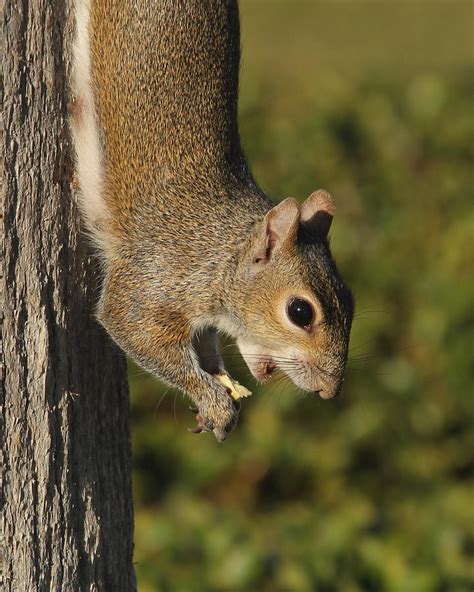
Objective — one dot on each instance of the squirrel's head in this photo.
(295, 309)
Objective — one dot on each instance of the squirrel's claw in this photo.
(201, 427)
(220, 417)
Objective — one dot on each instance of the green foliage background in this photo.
(373, 491)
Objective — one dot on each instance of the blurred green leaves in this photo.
(373, 491)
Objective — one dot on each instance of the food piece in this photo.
(237, 391)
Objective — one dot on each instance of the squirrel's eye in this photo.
(300, 312)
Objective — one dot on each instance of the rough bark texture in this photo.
(65, 447)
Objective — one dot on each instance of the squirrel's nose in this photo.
(329, 388)
(328, 393)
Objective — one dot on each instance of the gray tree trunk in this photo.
(65, 445)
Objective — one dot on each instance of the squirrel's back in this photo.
(162, 118)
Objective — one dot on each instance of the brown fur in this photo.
(186, 218)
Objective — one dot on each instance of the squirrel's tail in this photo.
(86, 135)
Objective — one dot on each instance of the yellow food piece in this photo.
(237, 391)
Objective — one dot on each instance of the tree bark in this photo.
(65, 442)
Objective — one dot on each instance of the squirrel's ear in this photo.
(279, 226)
(317, 213)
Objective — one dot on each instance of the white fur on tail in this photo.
(86, 134)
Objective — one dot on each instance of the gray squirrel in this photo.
(190, 245)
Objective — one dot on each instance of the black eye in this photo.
(300, 312)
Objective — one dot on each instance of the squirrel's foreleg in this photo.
(162, 342)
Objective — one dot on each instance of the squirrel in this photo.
(190, 246)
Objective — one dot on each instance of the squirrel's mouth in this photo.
(261, 368)
(260, 364)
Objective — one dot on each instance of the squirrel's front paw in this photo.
(217, 413)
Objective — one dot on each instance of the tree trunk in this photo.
(65, 442)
